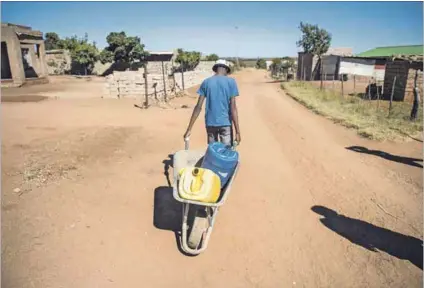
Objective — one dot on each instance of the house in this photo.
(400, 76)
(309, 67)
(402, 63)
(22, 55)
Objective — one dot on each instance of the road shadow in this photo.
(167, 210)
(387, 156)
(167, 214)
(371, 237)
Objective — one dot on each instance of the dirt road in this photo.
(86, 204)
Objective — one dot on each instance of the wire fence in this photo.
(367, 92)
(377, 108)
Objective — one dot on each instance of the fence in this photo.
(387, 82)
(161, 84)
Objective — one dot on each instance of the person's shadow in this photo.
(371, 237)
(387, 156)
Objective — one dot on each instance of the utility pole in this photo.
(236, 38)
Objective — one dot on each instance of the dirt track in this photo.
(102, 215)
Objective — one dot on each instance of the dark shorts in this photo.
(220, 134)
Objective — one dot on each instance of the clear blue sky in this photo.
(265, 28)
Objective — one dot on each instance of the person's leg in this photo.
(212, 133)
(226, 135)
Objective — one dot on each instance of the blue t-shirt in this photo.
(218, 90)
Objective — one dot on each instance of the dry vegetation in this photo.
(369, 118)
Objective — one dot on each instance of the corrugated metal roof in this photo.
(340, 51)
(393, 50)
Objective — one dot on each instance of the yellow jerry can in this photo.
(199, 184)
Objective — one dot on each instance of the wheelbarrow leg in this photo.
(205, 233)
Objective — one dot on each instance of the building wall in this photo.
(35, 65)
(305, 66)
(58, 62)
(400, 70)
(29, 41)
(409, 89)
(8, 36)
(132, 83)
(5, 65)
(356, 68)
(365, 69)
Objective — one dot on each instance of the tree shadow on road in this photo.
(387, 156)
(371, 237)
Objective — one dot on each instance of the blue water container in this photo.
(222, 160)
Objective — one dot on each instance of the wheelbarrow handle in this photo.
(187, 143)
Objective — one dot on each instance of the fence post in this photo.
(334, 76)
(391, 96)
(146, 88)
(182, 75)
(416, 103)
(119, 90)
(164, 82)
(301, 70)
(369, 90)
(155, 91)
(378, 96)
(354, 84)
(341, 79)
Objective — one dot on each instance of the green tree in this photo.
(82, 52)
(123, 48)
(261, 64)
(314, 40)
(86, 55)
(188, 60)
(52, 41)
(126, 49)
(212, 57)
(276, 66)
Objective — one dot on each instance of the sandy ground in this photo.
(85, 202)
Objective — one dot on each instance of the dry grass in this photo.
(369, 118)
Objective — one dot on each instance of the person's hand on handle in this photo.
(238, 138)
(187, 135)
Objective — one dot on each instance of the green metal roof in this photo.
(393, 50)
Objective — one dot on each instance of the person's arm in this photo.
(234, 116)
(234, 112)
(194, 115)
(197, 109)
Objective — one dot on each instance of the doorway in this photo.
(6, 73)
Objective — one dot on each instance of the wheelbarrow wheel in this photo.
(200, 224)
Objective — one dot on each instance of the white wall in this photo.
(361, 70)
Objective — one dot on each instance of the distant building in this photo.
(309, 68)
(340, 51)
(22, 55)
(268, 64)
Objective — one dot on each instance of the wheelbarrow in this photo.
(198, 218)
